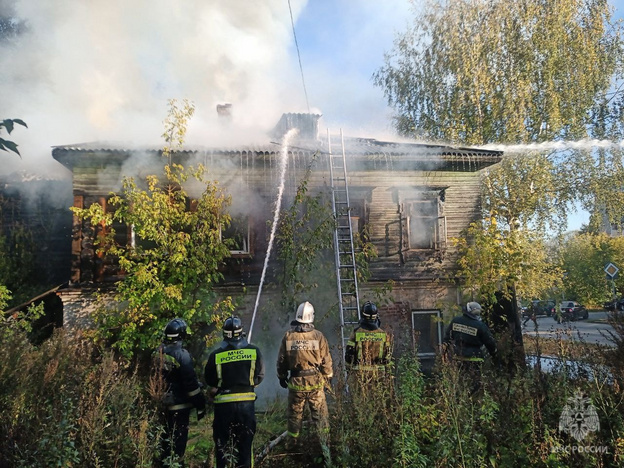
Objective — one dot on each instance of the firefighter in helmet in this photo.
(304, 366)
(465, 338)
(232, 371)
(369, 348)
(183, 390)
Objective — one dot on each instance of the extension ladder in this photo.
(344, 251)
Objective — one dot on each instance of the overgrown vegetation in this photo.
(172, 267)
(65, 404)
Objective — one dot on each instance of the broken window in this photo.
(237, 236)
(424, 222)
(427, 331)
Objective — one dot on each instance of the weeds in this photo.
(63, 404)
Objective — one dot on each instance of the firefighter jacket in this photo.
(468, 335)
(304, 353)
(183, 388)
(234, 369)
(369, 347)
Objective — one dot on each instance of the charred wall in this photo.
(41, 208)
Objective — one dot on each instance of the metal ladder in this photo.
(344, 252)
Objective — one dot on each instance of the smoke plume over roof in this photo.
(104, 70)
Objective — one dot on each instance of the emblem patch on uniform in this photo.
(374, 337)
(302, 345)
(235, 355)
(461, 328)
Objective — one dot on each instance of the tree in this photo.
(544, 72)
(584, 257)
(174, 264)
(491, 260)
(8, 125)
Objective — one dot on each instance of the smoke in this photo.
(103, 70)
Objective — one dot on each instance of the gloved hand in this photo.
(283, 383)
(201, 413)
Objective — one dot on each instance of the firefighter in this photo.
(232, 372)
(369, 348)
(304, 366)
(183, 390)
(465, 337)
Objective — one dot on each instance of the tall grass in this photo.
(63, 405)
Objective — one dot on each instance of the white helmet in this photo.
(305, 313)
(473, 308)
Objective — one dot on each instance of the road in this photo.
(593, 330)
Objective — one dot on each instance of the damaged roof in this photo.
(308, 141)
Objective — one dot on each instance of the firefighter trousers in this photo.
(315, 399)
(233, 429)
(176, 436)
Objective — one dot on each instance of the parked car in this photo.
(570, 311)
(616, 304)
(546, 307)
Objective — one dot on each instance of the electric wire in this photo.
(292, 22)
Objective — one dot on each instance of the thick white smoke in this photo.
(102, 70)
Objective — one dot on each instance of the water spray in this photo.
(585, 144)
(278, 203)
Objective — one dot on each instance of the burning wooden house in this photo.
(410, 198)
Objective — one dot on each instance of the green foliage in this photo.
(584, 258)
(364, 422)
(303, 241)
(174, 264)
(62, 404)
(452, 79)
(8, 125)
(493, 258)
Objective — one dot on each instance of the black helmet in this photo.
(369, 311)
(233, 329)
(176, 330)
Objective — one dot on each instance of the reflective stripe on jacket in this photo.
(176, 364)
(234, 369)
(468, 335)
(368, 349)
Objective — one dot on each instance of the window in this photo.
(237, 236)
(427, 331)
(425, 225)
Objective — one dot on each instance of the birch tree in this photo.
(529, 74)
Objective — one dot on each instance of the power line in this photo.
(292, 22)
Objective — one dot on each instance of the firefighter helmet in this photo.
(176, 330)
(305, 313)
(473, 308)
(369, 311)
(232, 329)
